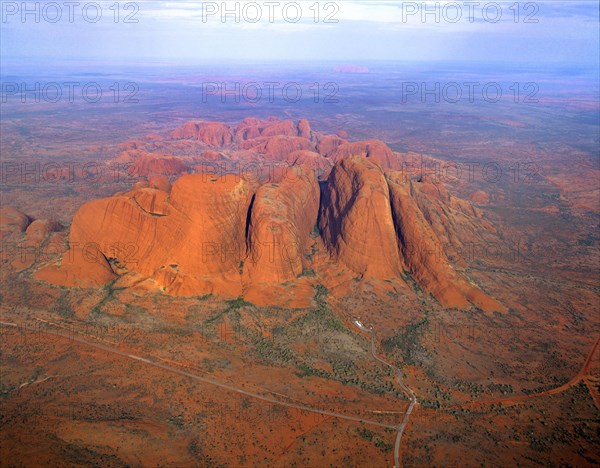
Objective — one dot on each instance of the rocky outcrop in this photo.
(39, 230)
(480, 197)
(192, 246)
(282, 128)
(424, 255)
(160, 182)
(327, 144)
(26, 241)
(374, 150)
(248, 129)
(372, 224)
(278, 147)
(250, 231)
(356, 219)
(150, 165)
(12, 221)
(304, 129)
(81, 266)
(312, 162)
(454, 220)
(211, 133)
(282, 218)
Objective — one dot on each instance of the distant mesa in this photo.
(331, 201)
(351, 69)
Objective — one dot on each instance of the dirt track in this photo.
(581, 375)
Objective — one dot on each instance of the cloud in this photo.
(365, 30)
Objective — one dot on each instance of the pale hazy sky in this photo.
(565, 32)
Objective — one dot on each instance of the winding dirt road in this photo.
(581, 376)
(405, 389)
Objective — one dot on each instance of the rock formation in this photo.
(282, 218)
(329, 143)
(423, 253)
(12, 221)
(277, 147)
(234, 235)
(374, 150)
(149, 165)
(188, 245)
(312, 162)
(356, 219)
(373, 225)
(211, 133)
